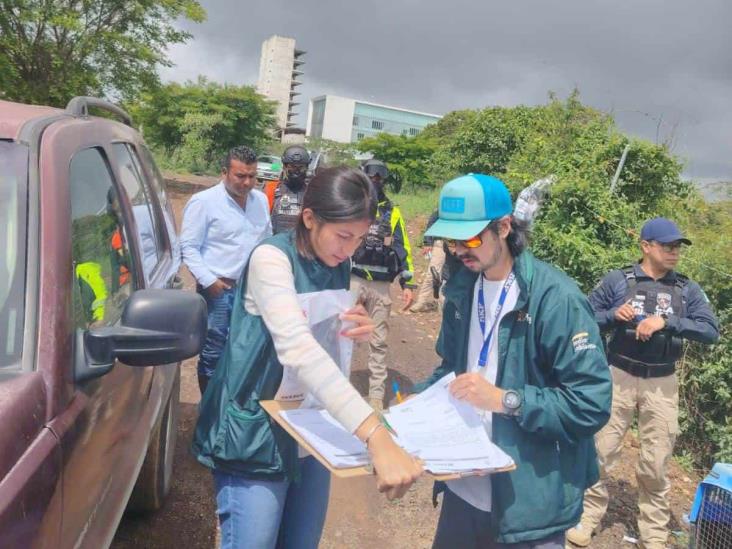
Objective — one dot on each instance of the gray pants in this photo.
(463, 526)
(374, 295)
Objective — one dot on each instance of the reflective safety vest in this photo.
(117, 244)
(650, 297)
(90, 279)
(286, 208)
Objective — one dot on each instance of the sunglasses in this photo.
(470, 243)
(670, 247)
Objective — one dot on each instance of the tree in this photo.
(406, 157)
(336, 154)
(53, 50)
(197, 122)
(486, 142)
(446, 126)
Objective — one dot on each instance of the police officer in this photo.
(285, 196)
(384, 256)
(650, 309)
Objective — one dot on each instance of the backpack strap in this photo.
(682, 281)
(629, 273)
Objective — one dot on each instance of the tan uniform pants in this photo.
(374, 294)
(425, 293)
(657, 402)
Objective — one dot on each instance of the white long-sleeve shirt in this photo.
(271, 294)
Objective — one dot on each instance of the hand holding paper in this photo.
(475, 389)
(364, 325)
(446, 433)
(395, 469)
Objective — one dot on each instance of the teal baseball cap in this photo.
(468, 204)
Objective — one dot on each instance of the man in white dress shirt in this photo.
(221, 227)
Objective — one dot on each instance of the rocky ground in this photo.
(358, 516)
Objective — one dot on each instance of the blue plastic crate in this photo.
(711, 514)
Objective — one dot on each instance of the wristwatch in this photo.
(512, 401)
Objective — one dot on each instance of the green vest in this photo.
(234, 434)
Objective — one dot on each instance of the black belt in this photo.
(228, 281)
(638, 369)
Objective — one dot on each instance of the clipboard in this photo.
(274, 407)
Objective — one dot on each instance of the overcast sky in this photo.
(663, 67)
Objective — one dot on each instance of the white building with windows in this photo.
(349, 120)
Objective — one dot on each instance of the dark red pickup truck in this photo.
(93, 325)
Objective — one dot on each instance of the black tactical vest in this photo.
(375, 259)
(286, 208)
(650, 297)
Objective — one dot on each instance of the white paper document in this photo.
(446, 433)
(322, 309)
(339, 447)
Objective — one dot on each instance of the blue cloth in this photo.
(262, 514)
(219, 317)
(218, 235)
(462, 525)
(697, 321)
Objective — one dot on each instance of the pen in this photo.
(398, 394)
(386, 424)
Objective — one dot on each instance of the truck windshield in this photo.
(13, 197)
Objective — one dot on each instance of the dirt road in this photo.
(359, 517)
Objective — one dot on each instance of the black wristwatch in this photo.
(512, 402)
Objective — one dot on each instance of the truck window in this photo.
(13, 192)
(148, 234)
(103, 270)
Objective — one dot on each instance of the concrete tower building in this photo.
(279, 66)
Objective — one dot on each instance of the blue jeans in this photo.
(219, 317)
(262, 514)
(462, 525)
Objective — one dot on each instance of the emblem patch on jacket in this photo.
(580, 342)
(663, 304)
(523, 316)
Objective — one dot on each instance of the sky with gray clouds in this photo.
(663, 67)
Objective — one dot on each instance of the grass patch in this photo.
(416, 202)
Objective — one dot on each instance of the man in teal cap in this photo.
(524, 345)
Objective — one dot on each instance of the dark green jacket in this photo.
(234, 434)
(550, 351)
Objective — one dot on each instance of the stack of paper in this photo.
(447, 434)
(339, 447)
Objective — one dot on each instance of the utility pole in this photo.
(614, 182)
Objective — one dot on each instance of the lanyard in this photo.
(483, 359)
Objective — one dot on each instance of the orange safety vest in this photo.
(117, 243)
(269, 190)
